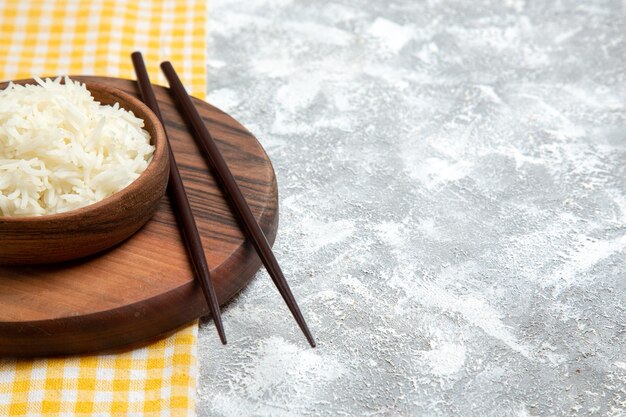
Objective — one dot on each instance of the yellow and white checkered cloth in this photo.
(96, 37)
(159, 380)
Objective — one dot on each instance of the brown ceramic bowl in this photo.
(93, 228)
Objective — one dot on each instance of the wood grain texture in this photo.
(91, 229)
(144, 287)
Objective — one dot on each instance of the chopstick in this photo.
(242, 210)
(180, 202)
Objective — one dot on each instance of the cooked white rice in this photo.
(61, 150)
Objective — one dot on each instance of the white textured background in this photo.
(452, 180)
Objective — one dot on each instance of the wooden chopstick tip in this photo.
(137, 57)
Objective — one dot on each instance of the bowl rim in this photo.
(158, 141)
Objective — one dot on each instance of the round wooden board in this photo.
(144, 287)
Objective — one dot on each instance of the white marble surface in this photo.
(452, 181)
